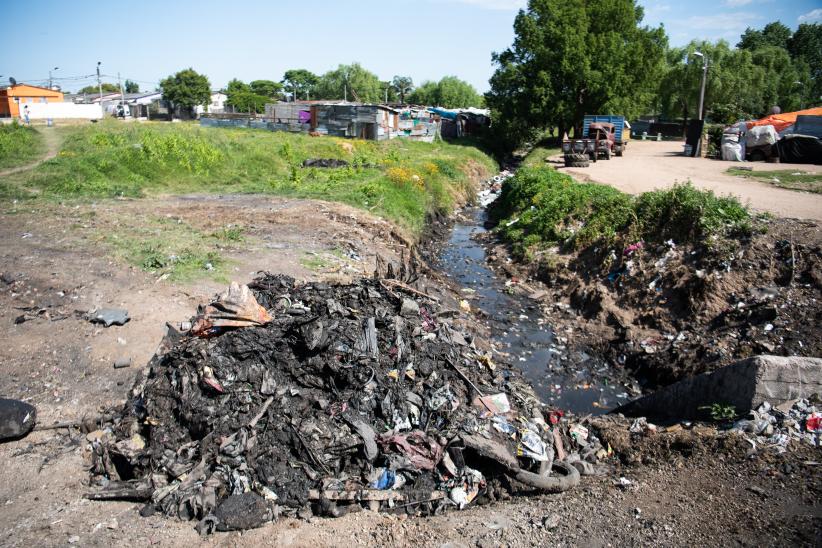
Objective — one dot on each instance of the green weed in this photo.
(18, 145)
(111, 159)
(541, 207)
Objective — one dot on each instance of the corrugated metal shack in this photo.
(338, 119)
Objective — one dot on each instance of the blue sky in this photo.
(426, 39)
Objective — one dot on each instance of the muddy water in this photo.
(572, 381)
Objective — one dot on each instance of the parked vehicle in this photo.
(603, 136)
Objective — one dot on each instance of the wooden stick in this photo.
(406, 287)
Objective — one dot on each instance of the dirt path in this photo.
(648, 165)
(52, 140)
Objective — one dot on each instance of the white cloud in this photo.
(811, 16)
(507, 5)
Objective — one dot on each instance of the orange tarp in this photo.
(781, 121)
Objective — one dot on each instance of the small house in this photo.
(13, 98)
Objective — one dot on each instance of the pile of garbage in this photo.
(492, 187)
(281, 398)
(775, 427)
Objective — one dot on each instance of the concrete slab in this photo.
(744, 384)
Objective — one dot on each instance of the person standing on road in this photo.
(26, 115)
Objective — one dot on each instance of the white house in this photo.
(217, 105)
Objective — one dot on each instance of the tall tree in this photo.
(773, 34)
(572, 57)
(805, 46)
(403, 85)
(131, 87)
(351, 81)
(449, 92)
(243, 97)
(736, 86)
(266, 88)
(186, 89)
(107, 88)
(299, 83)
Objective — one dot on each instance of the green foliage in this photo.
(110, 159)
(570, 58)
(300, 82)
(166, 247)
(720, 412)
(686, 214)
(266, 88)
(95, 90)
(353, 81)
(449, 92)
(542, 207)
(784, 178)
(773, 34)
(19, 144)
(186, 89)
(131, 87)
(805, 47)
(247, 98)
(230, 233)
(402, 85)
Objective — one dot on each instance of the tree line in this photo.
(575, 57)
(353, 82)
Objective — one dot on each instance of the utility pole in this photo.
(122, 95)
(50, 79)
(345, 93)
(99, 84)
(386, 95)
(704, 79)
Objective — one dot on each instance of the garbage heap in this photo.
(327, 398)
(775, 427)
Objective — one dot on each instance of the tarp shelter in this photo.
(785, 119)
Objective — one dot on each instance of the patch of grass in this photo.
(230, 233)
(784, 178)
(538, 156)
(542, 207)
(314, 262)
(111, 159)
(19, 145)
(170, 248)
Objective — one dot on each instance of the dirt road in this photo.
(649, 164)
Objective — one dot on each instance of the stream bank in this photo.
(569, 377)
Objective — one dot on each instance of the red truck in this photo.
(603, 136)
(599, 142)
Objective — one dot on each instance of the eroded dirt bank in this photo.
(668, 311)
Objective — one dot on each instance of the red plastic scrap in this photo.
(422, 451)
(814, 422)
(554, 416)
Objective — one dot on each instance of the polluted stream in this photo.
(569, 380)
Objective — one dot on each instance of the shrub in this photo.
(541, 207)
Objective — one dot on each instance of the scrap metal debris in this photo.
(349, 395)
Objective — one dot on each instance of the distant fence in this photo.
(43, 111)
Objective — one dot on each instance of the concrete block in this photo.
(744, 384)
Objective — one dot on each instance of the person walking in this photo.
(26, 115)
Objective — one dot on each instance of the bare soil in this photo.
(690, 492)
(647, 165)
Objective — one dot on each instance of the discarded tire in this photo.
(576, 160)
(568, 478)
